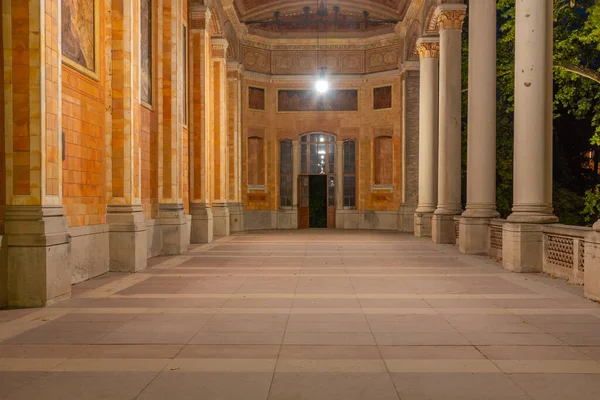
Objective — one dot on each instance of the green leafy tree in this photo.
(576, 104)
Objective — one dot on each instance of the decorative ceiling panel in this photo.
(291, 12)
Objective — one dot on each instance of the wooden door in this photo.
(303, 201)
(331, 201)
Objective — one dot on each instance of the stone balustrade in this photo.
(496, 237)
(564, 251)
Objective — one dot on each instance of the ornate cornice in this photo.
(218, 48)
(199, 16)
(311, 44)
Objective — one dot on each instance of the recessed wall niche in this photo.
(382, 97)
(256, 98)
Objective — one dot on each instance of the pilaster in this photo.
(410, 150)
(200, 115)
(171, 213)
(220, 149)
(127, 226)
(38, 270)
(234, 144)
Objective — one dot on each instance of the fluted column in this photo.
(532, 182)
(450, 20)
(221, 217)
(481, 142)
(428, 134)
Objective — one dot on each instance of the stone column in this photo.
(221, 217)
(450, 20)
(171, 213)
(481, 143)
(339, 182)
(532, 185)
(127, 224)
(38, 270)
(429, 49)
(234, 130)
(200, 114)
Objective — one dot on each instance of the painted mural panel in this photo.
(382, 98)
(310, 100)
(256, 98)
(78, 32)
(146, 51)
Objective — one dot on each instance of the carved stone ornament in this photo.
(199, 18)
(219, 48)
(451, 19)
(429, 49)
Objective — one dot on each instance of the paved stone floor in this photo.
(308, 315)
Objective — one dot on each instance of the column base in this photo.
(522, 247)
(474, 235)
(127, 238)
(443, 229)
(174, 229)
(236, 217)
(38, 246)
(591, 278)
(221, 219)
(406, 218)
(423, 224)
(202, 223)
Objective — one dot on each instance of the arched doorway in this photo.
(316, 181)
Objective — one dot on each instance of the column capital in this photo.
(450, 16)
(199, 15)
(234, 69)
(428, 47)
(218, 47)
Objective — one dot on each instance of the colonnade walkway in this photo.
(316, 314)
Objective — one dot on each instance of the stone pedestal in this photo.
(423, 224)
(221, 219)
(474, 235)
(127, 237)
(236, 217)
(174, 229)
(591, 278)
(38, 245)
(406, 216)
(443, 229)
(522, 247)
(202, 223)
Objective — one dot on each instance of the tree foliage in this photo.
(576, 105)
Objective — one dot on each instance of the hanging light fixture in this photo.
(322, 85)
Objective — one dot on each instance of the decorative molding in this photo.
(428, 48)
(199, 16)
(218, 48)
(382, 59)
(449, 16)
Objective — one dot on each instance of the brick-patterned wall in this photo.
(185, 178)
(411, 121)
(149, 148)
(361, 125)
(83, 124)
(2, 138)
(21, 96)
